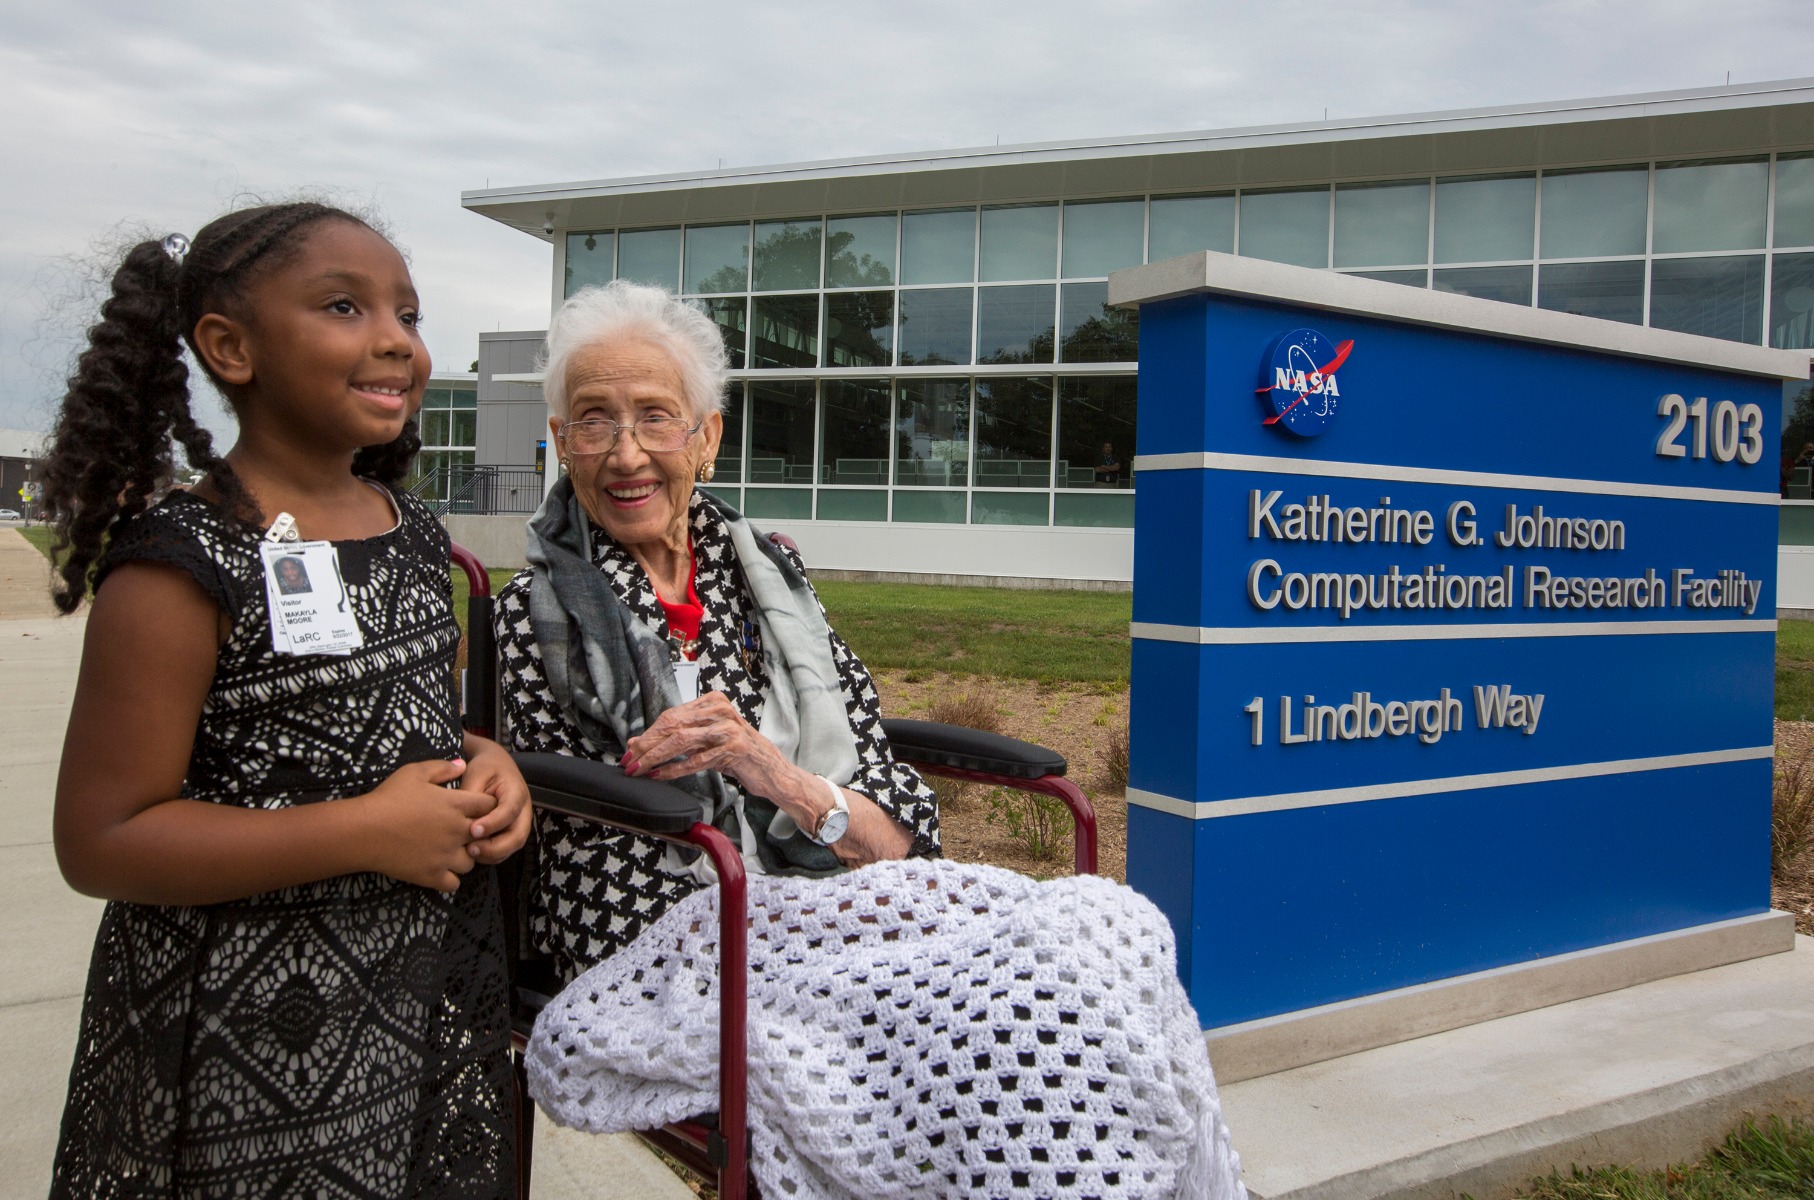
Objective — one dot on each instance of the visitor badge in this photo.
(686, 676)
(310, 610)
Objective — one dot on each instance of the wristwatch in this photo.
(836, 823)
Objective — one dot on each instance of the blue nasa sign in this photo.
(1453, 637)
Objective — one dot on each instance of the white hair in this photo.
(622, 309)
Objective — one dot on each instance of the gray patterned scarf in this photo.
(612, 675)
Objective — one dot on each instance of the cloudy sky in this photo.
(124, 115)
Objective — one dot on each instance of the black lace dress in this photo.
(595, 890)
(346, 1038)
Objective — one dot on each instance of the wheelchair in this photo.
(713, 1146)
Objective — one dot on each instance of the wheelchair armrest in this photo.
(579, 787)
(935, 744)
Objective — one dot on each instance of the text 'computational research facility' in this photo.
(928, 380)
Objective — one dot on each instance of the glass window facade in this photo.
(449, 427)
(995, 385)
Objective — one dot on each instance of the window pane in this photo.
(466, 397)
(1377, 225)
(1587, 213)
(1091, 331)
(859, 329)
(785, 332)
(463, 428)
(590, 259)
(1096, 433)
(437, 397)
(434, 427)
(1007, 508)
(942, 508)
(939, 247)
(853, 506)
(1485, 220)
(1795, 200)
(718, 258)
(787, 255)
(1287, 227)
(932, 435)
(732, 496)
(731, 314)
(1710, 206)
(859, 251)
(1717, 297)
(1610, 290)
(1792, 302)
(728, 466)
(935, 326)
(1187, 224)
(1106, 510)
(789, 504)
(1510, 284)
(1413, 278)
(1014, 433)
(854, 433)
(781, 431)
(650, 256)
(1014, 324)
(1103, 236)
(1020, 243)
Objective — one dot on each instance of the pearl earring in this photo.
(706, 471)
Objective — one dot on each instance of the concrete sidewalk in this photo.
(47, 930)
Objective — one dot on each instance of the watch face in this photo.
(833, 827)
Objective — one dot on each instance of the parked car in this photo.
(10, 514)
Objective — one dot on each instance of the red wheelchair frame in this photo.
(714, 1146)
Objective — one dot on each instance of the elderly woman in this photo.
(646, 595)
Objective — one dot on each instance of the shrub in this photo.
(1791, 816)
(1114, 760)
(1038, 823)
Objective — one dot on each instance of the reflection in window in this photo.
(786, 504)
(1710, 206)
(730, 313)
(1090, 331)
(935, 327)
(1716, 297)
(1009, 508)
(787, 255)
(1588, 213)
(1512, 285)
(1486, 220)
(781, 431)
(859, 251)
(1792, 302)
(1096, 433)
(862, 505)
(932, 508)
(785, 331)
(650, 256)
(1102, 236)
(932, 435)
(591, 261)
(1186, 224)
(728, 466)
(1014, 433)
(1286, 226)
(1613, 291)
(854, 433)
(1094, 510)
(1020, 243)
(718, 258)
(1014, 324)
(1377, 225)
(939, 247)
(1794, 200)
(859, 329)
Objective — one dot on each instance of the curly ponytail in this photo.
(129, 397)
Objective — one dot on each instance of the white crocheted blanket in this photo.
(916, 1029)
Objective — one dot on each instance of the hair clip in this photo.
(177, 247)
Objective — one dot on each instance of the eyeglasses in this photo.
(658, 435)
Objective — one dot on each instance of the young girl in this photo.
(298, 988)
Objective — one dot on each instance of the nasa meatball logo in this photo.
(1297, 381)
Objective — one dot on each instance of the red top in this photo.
(684, 619)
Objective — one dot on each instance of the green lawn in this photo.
(1795, 671)
(1772, 1161)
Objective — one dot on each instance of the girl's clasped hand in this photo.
(264, 770)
